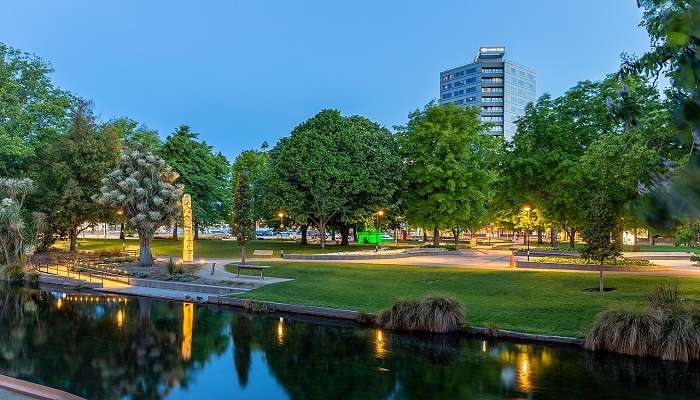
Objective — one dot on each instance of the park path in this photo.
(479, 259)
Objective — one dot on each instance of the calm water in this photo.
(109, 348)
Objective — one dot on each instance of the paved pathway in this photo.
(496, 260)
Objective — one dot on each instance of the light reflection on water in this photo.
(114, 348)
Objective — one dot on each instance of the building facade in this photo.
(499, 87)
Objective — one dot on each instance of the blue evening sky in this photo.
(241, 72)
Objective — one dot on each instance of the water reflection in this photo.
(109, 348)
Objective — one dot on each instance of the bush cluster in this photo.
(669, 328)
(431, 314)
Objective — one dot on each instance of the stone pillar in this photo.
(187, 244)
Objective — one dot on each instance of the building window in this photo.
(458, 74)
(487, 70)
(470, 80)
(445, 78)
(461, 101)
(446, 95)
(470, 99)
(492, 118)
(471, 89)
(492, 80)
(492, 99)
(458, 83)
(492, 109)
(457, 93)
(470, 70)
(492, 90)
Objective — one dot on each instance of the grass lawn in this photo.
(552, 303)
(209, 248)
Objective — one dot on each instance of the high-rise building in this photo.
(499, 87)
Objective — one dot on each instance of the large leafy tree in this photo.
(449, 167)
(69, 171)
(32, 110)
(310, 169)
(334, 170)
(130, 133)
(144, 188)
(674, 29)
(204, 175)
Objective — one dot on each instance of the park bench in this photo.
(263, 252)
(240, 266)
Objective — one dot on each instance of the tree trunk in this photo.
(322, 231)
(455, 233)
(354, 233)
(425, 236)
(145, 256)
(525, 235)
(635, 236)
(539, 237)
(333, 235)
(602, 290)
(175, 231)
(243, 252)
(572, 238)
(436, 237)
(73, 235)
(304, 230)
(196, 230)
(553, 237)
(344, 235)
(121, 231)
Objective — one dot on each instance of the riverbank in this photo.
(532, 302)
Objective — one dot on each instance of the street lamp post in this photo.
(379, 213)
(281, 215)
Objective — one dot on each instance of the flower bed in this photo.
(579, 260)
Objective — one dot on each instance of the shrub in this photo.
(622, 331)
(432, 314)
(14, 273)
(668, 329)
(253, 306)
(664, 296)
(174, 268)
(694, 258)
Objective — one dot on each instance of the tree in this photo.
(69, 171)
(448, 166)
(311, 169)
(204, 175)
(602, 231)
(242, 221)
(32, 110)
(132, 133)
(143, 187)
(19, 229)
(673, 194)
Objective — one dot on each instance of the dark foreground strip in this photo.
(35, 391)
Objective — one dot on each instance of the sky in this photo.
(243, 72)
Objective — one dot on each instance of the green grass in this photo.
(553, 303)
(217, 248)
